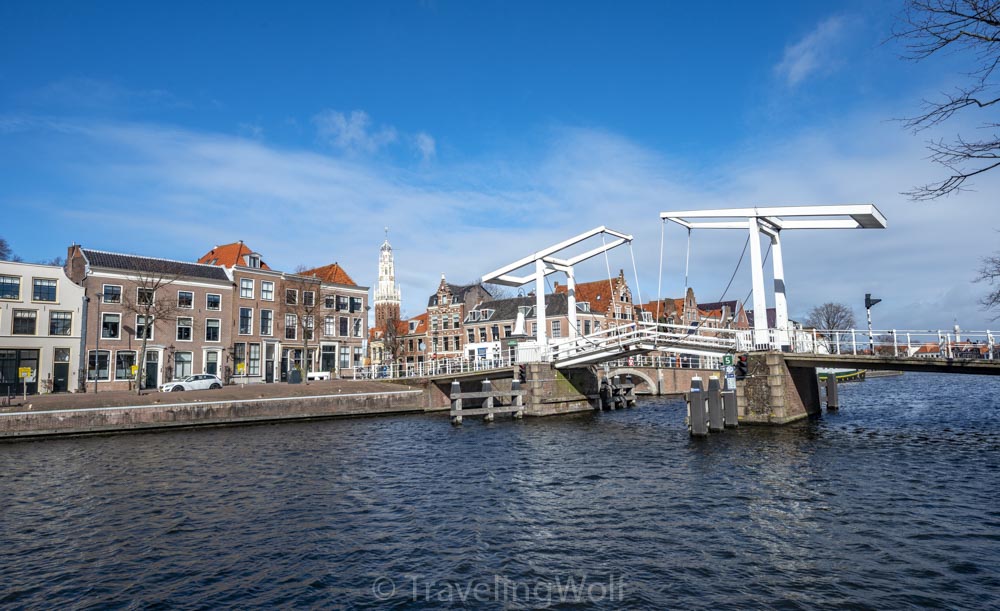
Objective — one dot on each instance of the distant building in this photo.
(342, 309)
(42, 316)
(388, 330)
(446, 310)
(610, 298)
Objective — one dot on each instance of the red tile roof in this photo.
(596, 293)
(333, 273)
(229, 255)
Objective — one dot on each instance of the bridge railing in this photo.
(438, 367)
(668, 361)
(921, 343)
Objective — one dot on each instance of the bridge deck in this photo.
(896, 363)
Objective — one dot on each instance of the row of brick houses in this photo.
(104, 318)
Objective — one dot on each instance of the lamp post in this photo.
(869, 302)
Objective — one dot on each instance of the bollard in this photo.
(729, 413)
(629, 391)
(697, 418)
(456, 403)
(605, 394)
(515, 385)
(832, 402)
(715, 422)
(488, 401)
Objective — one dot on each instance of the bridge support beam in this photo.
(760, 333)
(775, 393)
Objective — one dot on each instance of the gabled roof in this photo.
(718, 305)
(230, 255)
(332, 274)
(458, 292)
(665, 307)
(556, 304)
(151, 265)
(421, 328)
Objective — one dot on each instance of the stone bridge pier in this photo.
(776, 391)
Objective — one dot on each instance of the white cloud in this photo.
(297, 206)
(815, 53)
(425, 146)
(353, 133)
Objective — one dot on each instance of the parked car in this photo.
(202, 381)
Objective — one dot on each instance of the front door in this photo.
(212, 362)
(152, 368)
(60, 370)
(269, 363)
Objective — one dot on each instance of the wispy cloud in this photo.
(353, 133)
(814, 54)
(425, 145)
(298, 206)
(85, 93)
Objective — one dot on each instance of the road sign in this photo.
(24, 372)
(730, 370)
(239, 368)
(727, 359)
(135, 369)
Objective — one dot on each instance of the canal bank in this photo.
(83, 414)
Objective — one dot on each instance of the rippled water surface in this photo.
(892, 502)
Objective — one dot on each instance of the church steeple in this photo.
(387, 294)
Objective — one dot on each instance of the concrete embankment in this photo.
(120, 412)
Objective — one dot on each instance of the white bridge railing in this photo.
(428, 369)
(889, 342)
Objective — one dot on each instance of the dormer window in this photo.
(474, 315)
(486, 314)
(583, 306)
(253, 261)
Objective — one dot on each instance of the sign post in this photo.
(24, 373)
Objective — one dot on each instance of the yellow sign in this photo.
(135, 369)
(24, 372)
(239, 368)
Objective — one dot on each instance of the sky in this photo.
(480, 132)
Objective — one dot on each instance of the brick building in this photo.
(446, 310)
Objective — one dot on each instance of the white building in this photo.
(41, 321)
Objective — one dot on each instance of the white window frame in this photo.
(293, 325)
(104, 292)
(20, 292)
(213, 341)
(151, 327)
(239, 319)
(267, 287)
(101, 326)
(244, 285)
(56, 285)
(270, 331)
(177, 333)
(13, 317)
(139, 290)
(68, 333)
(210, 308)
(293, 292)
(179, 306)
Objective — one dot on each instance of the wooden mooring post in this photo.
(493, 401)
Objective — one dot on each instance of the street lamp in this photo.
(869, 302)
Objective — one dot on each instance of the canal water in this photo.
(892, 502)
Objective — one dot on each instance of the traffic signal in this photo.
(522, 373)
(742, 368)
(869, 302)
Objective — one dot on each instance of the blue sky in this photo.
(480, 131)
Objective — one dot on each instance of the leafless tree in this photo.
(831, 316)
(152, 304)
(972, 27)
(990, 274)
(392, 341)
(6, 253)
(302, 298)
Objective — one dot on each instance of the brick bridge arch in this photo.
(638, 377)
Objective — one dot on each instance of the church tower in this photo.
(387, 296)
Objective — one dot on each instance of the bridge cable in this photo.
(687, 261)
(635, 270)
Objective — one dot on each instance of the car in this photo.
(202, 381)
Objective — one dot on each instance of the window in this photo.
(213, 302)
(97, 365)
(356, 304)
(254, 261)
(496, 332)
(182, 365)
(345, 357)
(185, 300)
(597, 326)
(111, 326)
(240, 359)
(10, 287)
(43, 289)
(246, 288)
(308, 298)
(357, 327)
(141, 328)
(212, 329)
(253, 360)
(291, 296)
(472, 336)
(341, 303)
(124, 359)
(482, 334)
(24, 322)
(212, 362)
(534, 328)
(246, 321)
(329, 302)
(434, 323)
(112, 293)
(343, 326)
(145, 296)
(506, 331)
(445, 322)
(446, 342)
(60, 323)
(330, 325)
(358, 356)
(184, 328)
(556, 328)
(291, 323)
(266, 322)
(586, 327)
(307, 327)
